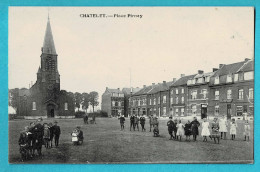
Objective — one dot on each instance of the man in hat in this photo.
(56, 133)
(170, 125)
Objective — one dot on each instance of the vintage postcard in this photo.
(126, 85)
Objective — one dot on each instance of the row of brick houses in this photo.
(228, 90)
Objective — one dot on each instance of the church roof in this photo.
(48, 43)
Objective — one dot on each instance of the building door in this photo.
(229, 111)
(203, 111)
(50, 110)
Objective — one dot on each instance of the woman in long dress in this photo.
(180, 130)
(205, 129)
(223, 127)
(215, 130)
(195, 128)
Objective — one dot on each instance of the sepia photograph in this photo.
(131, 85)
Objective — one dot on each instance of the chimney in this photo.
(144, 86)
(118, 89)
(200, 71)
(173, 79)
(106, 88)
(215, 69)
(221, 65)
(246, 59)
(182, 75)
(153, 84)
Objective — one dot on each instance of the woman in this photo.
(215, 130)
(205, 129)
(195, 128)
(223, 127)
(187, 129)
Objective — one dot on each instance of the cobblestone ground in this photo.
(105, 143)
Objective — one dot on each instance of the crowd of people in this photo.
(35, 136)
(215, 130)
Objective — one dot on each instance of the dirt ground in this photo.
(105, 143)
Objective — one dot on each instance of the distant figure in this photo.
(175, 123)
(180, 130)
(122, 122)
(136, 122)
(85, 118)
(187, 129)
(46, 135)
(233, 129)
(93, 121)
(51, 133)
(156, 128)
(247, 130)
(170, 125)
(132, 122)
(215, 130)
(205, 129)
(77, 136)
(151, 122)
(195, 128)
(56, 132)
(142, 122)
(38, 131)
(223, 127)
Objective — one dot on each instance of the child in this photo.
(247, 130)
(180, 130)
(122, 122)
(223, 127)
(215, 130)
(195, 128)
(156, 131)
(205, 129)
(233, 129)
(142, 122)
(170, 127)
(51, 133)
(187, 129)
(175, 128)
(46, 135)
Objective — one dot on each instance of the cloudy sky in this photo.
(95, 53)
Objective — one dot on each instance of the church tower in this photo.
(48, 76)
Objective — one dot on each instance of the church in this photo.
(45, 99)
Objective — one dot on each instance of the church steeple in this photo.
(48, 43)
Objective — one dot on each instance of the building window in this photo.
(158, 100)
(139, 102)
(116, 103)
(119, 103)
(194, 109)
(150, 101)
(239, 110)
(251, 93)
(204, 93)
(34, 106)
(177, 100)
(217, 80)
(66, 106)
(171, 100)
(216, 95)
(249, 75)
(182, 100)
(164, 99)
(240, 94)
(229, 78)
(229, 94)
(241, 76)
(154, 101)
(217, 110)
(113, 103)
(144, 101)
(194, 95)
(182, 111)
(171, 91)
(182, 90)
(164, 111)
(159, 111)
(177, 112)
(177, 91)
(200, 80)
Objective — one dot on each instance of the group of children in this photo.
(218, 129)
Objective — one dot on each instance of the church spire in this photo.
(48, 43)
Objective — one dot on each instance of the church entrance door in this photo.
(50, 110)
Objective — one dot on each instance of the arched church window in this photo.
(34, 106)
(66, 106)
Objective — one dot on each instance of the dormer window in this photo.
(217, 80)
(229, 78)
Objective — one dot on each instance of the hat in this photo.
(78, 127)
(170, 117)
(55, 122)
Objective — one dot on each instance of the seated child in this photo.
(156, 131)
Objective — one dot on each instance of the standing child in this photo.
(223, 127)
(247, 130)
(56, 133)
(51, 133)
(215, 130)
(46, 135)
(205, 129)
(187, 129)
(142, 122)
(175, 128)
(180, 130)
(122, 122)
(195, 128)
(170, 127)
(233, 129)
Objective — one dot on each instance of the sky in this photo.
(95, 53)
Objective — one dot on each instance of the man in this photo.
(170, 125)
(122, 122)
(85, 118)
(142, 122)
(151, 122)
(132, 121)
(136, 122)
(175, 123)
(56, 133)
(195, 128)
(38, 131)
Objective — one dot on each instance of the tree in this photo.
(77, 99)
(14, 98)
(93, 99)
(85, 101)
